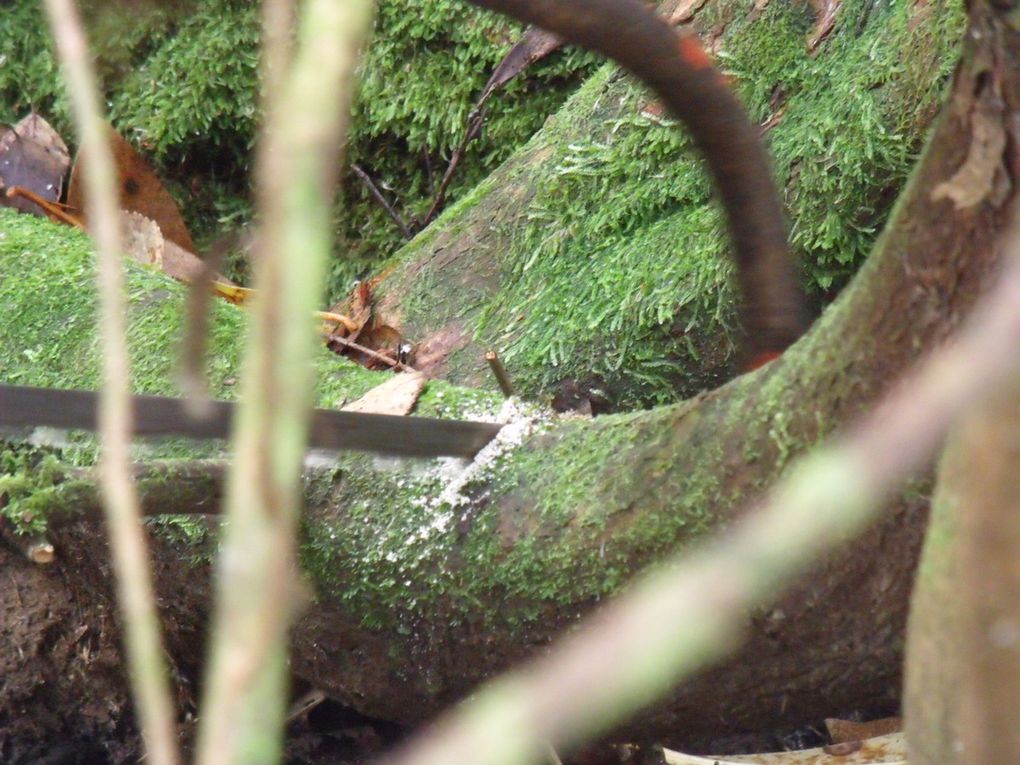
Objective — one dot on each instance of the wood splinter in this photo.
(35, 547)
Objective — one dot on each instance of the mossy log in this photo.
(425, 586)
(596, 253)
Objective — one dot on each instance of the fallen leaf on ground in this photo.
(683, 11)
(34, 157)
(825, 18)
(534, 45)
(883, 750)
(141, 191)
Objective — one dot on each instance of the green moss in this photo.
(47, 321)
(605, 241)
(28, 475)
(620, 269)
(566, 529)
(47, 328)
(181, 82)
(29, 76)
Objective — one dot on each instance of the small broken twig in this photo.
(54, 210)
(500, 373)
(365, 178)
(305, 704)
(35, 547)
(368, 352)
(474, 127)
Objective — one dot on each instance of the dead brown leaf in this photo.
(357, 308)
(826, 12)
(34, 157)
(381, 338)
(534, 45)
(653, 111)
(683, 11)
(141, 191)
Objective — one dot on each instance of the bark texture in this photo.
(963, 649)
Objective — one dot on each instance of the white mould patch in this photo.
(519, 420)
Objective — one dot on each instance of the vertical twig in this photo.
(474, 127)
(130, 555)
(500, 373)
(298, 156)
(377, 195)
(428, 170)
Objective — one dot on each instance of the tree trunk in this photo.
(963, 649)
(425, 586)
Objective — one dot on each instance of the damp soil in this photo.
(64, 698)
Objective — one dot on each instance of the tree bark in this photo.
(421, 594)
(963, 652)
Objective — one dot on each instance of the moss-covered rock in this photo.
(181, 83)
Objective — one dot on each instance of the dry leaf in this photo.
(683, 11)
(143, 241)
(825, 18)
(381, 337)
(534, 45)
(398, 395)
(233, 293)
(361, 308)
(140, 191)
(841, 731)
(883, 750)
(654, 111)
(774, 119)
(33, 157)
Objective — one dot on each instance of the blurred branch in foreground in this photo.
(120, 500)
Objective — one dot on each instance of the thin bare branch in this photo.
(130, 554)
(245, 697)
(395, 363)
(378, 197)
(690, 611)
(471, 131)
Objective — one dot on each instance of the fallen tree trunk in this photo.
(426, 586)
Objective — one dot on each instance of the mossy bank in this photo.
(598, 253)
(181, 84)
